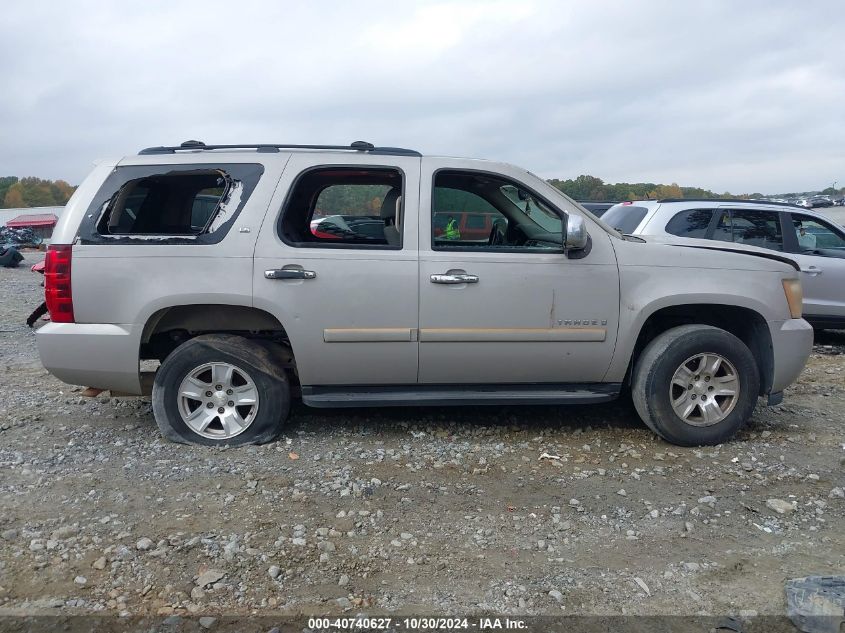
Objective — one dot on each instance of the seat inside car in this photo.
(391, 213)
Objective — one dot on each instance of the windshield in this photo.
(625, 218)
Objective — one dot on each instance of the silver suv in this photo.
(259, 301)
(811, 239)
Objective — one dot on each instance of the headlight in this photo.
(794, 297)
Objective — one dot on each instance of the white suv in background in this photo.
(810, 238)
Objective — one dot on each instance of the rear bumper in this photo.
(92, 354)
(792, 342)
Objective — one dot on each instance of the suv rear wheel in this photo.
(220, 389)
(695, 385)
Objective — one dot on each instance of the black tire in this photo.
(254, 359)
(656, 366)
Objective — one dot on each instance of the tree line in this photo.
(36, 192)
(33, 192)
(595, 189)
(590, 188)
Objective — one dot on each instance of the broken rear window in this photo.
(167, 204)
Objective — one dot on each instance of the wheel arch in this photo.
(209, 317)
(745, 323)
(167, 328)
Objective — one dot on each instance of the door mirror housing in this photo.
(576, 238)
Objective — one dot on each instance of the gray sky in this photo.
(738, 96)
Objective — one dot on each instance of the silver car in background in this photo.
(809, 237)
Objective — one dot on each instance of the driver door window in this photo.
(483, 212)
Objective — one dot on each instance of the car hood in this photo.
(667, 244)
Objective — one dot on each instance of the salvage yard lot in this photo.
(522, 510)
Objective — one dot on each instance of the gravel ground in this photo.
(517, 510)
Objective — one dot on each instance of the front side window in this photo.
(813, 235)
(476, 211)
(345, 206)
(690, 223)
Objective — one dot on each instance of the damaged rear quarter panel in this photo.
(125, 281)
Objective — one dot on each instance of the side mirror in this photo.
(576, 233)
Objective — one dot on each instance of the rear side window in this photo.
(625, 218)
(347, 207)
(756, 228)
(690, 223)
(169, 204)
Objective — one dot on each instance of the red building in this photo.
(41, 223)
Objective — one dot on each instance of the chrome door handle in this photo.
(289, 273)
(454, 279)
(812, 270)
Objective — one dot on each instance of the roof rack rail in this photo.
(357, 146)
(731, 201)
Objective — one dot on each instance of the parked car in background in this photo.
(348, 227)
(808, 237)
(596, 208)
(821, 201)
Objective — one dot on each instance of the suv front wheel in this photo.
(695, 385)
(220, 389)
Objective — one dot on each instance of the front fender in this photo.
(646, 290)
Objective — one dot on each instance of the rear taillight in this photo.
(57, 283)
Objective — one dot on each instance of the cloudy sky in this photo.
(732, 96)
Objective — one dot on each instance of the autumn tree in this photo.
(34, 192)
(590, 188)
(14, 197)
(666, 191)
(5, 183)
